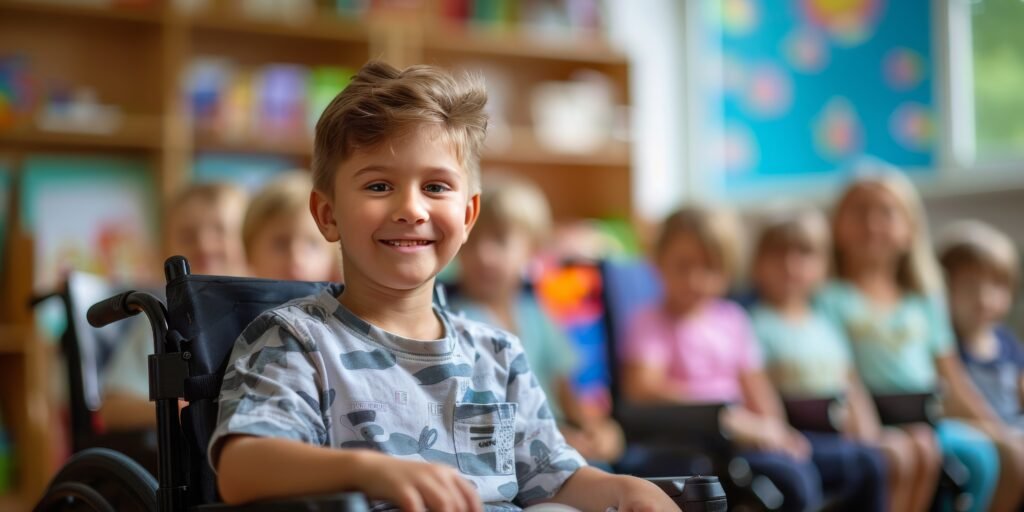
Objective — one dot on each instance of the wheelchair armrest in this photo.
(694, 494)
(341, 502)
(673, 425)
(901, 408)
(824, 414)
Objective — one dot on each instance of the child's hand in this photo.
(418, 486)
(636, 495)
(779, 437)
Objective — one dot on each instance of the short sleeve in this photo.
(561, 356)
(646, 341)
(828, 302)
(544, 461)
(273, 387)
(941, 339)
(1013, 349)
(128, 371)
(766, 333)
(747, 347)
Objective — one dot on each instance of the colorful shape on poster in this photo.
(848, 22)
(837, 130)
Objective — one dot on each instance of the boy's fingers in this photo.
(467, 490)
(436, 495)
(408, 500)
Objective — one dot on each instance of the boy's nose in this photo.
(410, 209)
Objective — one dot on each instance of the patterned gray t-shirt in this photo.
(312, 371)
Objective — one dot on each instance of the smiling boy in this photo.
(376, 390)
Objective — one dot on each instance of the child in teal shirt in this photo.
(514, 220)
(889, 302)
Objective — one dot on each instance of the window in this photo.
(998, 56)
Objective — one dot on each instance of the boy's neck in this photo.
(980, 341)
(790, 308)
(406, 313)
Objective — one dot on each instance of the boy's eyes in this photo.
(431, 188)
(436, 188)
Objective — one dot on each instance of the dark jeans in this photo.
(849, 474)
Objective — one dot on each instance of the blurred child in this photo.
(204, 224)
(889, 300)
(514, 221)
(281, 239)
(698, 347)
(982, 269)
(807, 355)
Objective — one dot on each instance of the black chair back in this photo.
(205, 315)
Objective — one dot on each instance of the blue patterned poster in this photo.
(799, 89)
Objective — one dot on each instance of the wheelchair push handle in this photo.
(110, 310)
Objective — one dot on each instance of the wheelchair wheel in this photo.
(119, 481)
(73, 497)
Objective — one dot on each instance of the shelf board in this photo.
(134, 139)
(523, 148)
(454, 38)
(324, 26)
(146, 15)
(290, 146)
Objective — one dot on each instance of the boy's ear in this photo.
(323, 213)
(472, 212)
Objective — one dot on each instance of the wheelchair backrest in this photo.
(205, 314)
(627, 287)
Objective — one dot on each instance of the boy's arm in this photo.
(648, 383)
(592, 489)
(300, 469)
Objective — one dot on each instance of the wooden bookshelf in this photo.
(137, 57)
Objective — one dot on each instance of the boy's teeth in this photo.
(407, 243)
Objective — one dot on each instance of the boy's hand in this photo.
(418, 486)
(636, 495)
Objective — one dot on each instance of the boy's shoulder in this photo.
(296, 315)
(482, 335)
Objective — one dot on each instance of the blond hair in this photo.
(805, 228)
(917, 270)
(286, 195)
(211, 193)
(974, 242)
(507, 200)
(717, 230)
(383, 103)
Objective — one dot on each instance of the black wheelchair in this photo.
(87, 352)
(693, 431)
(193, 336)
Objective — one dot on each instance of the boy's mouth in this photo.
(407, 243)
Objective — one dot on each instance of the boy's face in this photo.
(785, 270)
(493, 260)
(208, 234)
(401, 211)
(689, 274)
(978, 296)
(290, 247)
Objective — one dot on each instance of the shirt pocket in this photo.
(485, 438)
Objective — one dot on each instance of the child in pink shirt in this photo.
(695, 346)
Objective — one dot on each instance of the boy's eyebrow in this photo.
(369, 169)
(384, 168)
